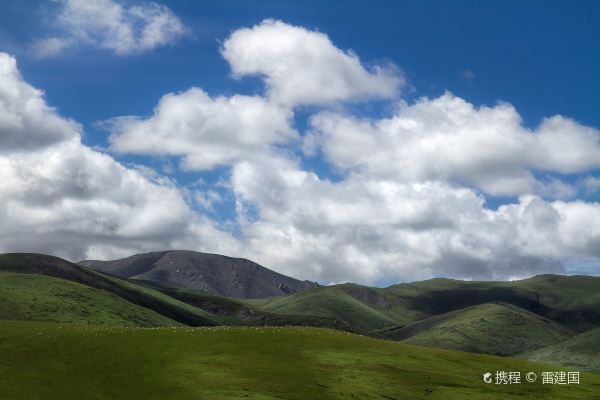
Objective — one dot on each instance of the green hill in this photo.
(151, 299)
(42, 298)
(45, 361)
(359, 308)
(579, 352)
(492, 328)
(573, 301)
(233, 311)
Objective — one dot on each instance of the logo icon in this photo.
(531, 376)
(487, 377)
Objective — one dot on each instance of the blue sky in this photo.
(541, 57)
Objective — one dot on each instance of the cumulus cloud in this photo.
(26, 122)
(368, 229)
(205, 131)
(301, 66)
(110, 25)
(449, 138)
(61, 197)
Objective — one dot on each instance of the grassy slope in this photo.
(492, 328)
(43, 361)
(135, 293)
(43, 298)
(240, 312)
(573, 301)
(579, 352)
(360, 308)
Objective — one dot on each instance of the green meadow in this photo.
(71, 361)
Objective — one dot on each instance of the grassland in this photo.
(44, 298)
(46, 361)
(579, 352)
(501, 318)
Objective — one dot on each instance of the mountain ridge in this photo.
(213, 274)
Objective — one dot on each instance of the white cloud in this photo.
(51, 47)
(26, 122)
(304, 67)
(367, 229)
(205, 131)
(110, 25)
(448, 138)
(61, 197)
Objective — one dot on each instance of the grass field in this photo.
(47, 361)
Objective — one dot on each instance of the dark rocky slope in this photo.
(211, 273)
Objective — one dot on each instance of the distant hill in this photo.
(363, 308)
(573, 301)
(491, 328)
(579, 352)
(210, 273)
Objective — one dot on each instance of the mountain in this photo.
(581, 352)
(38, 287)
(210, 273)
(71, 362)
(490, 328)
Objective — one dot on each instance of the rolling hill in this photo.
(46, 361)
(491, 328)
(573, 301)
(358, 307)
(210, 273)
(28, 297)
(579, 352)
(134, 293)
